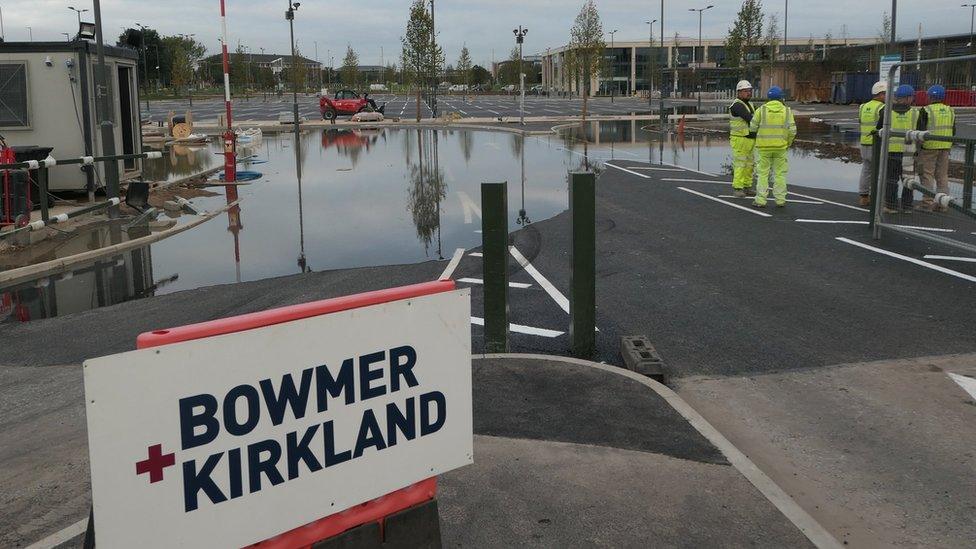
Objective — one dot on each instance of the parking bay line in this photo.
(918, 262)
(791, 201)
(726, 202)
(952, 258)
(626, 170)
(519, 329)
(554, 293)
(478, 281)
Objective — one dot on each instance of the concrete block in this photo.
(367, 536)
(416, 527)
(641, 357)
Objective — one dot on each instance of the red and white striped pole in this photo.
(230, 138)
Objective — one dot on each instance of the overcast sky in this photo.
(373, 27)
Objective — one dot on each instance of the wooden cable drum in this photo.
(182, 130)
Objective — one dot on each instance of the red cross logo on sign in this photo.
(155, 463)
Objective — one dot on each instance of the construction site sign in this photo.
(232, 439)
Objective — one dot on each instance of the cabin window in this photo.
(13, 96)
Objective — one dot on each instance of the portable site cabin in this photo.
(47, 98)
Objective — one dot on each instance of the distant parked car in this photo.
(378, 87)
(509, 88)
(458, 88)
(538, 89)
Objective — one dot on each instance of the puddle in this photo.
(348, 198)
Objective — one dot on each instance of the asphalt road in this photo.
(490, 106)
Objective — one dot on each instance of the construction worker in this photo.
(868, 118)
(775, 130)
(938, 119)
(743, 140)
(904, 118)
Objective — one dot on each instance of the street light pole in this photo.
(145, 61)
(697, 62)
(79, 12)
(30, 34)
(519, 39)
(290, 16)
(650, 62)
(104, 112)
(434, 60)
(664, 118)
(894, 20)
(613, 57)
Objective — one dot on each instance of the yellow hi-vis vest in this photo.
(901, 122)
(737, 126)
(870, 113)
(942, 119)
(774, 125)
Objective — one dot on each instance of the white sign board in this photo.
(230, 440)
(886, 62)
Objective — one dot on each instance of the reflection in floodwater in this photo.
(108, 281)
(426, 191)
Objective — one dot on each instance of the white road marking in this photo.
(476, 254)
(680, 180)
(830, 202)
(656, 169)
(930, 229)
(58, 538)
(471, 209)
(967, 383)
(555, 294)
(726, 202)
(832, 221)
(626, 170)
(952, 258)
(518, 328)
(518, 285)
(750, 198)
(452, 265)
(919, 262)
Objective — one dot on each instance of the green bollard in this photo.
(875, 170)
(967, 186)
(494, 248)
(582, 298)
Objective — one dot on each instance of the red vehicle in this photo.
(346, 102)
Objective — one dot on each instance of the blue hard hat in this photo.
(775, 93)
(905, 91)
(937, 93)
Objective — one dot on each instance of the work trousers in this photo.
(934, 165)
(866, 182)
(743, 162)
(891, 184)
(774, 160)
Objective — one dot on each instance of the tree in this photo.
(587, 47)
(389, 74)
(508, 72)
(238, 68)
(349, 73)
(182, 71)
(745, 33)
(421, 59)
(463, 67)
(771, 40)
(480, 75)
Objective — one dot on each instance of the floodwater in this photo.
(354, 198)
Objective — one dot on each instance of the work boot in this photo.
(888, 210)
(751, 191)
(864, 201)
(738, 193)
(780, 204)
(758, 205)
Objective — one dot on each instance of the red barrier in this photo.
(371, 511)
(960, 98)
(921, 98)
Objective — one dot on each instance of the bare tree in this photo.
(587, 47)
(420, 57)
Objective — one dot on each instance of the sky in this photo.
(374, 27)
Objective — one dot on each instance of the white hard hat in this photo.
(743, 85)
(879, 87)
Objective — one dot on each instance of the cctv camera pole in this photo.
(104, 115)
(230, 138)
(290, 16)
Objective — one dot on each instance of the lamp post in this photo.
(145, 61)
(650, 61)
(79, 12)
(104, 112)
(972, 18)
(520, 39)
(30, 34)
(433, 68)
(613, 57)
(290, 16)
(894, 21)
(664, 117)
(697, 62)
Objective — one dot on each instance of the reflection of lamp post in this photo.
(697, 62)
(613, 57)
(523, 217)
(519, 39)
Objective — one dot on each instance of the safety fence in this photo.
(923, 191)
(17, 178)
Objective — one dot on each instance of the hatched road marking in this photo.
(918, 262)
(727, 203)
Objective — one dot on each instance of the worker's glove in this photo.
(912, 182)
